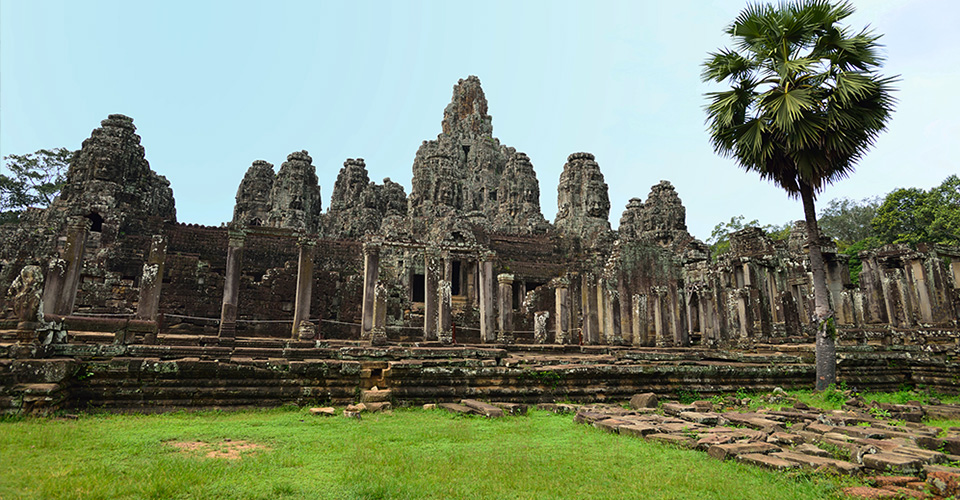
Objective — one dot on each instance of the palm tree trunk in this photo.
(826, 350)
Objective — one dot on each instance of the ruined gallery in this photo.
(458, 289)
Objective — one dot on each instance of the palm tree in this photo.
(805, 103)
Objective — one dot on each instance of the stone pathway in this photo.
(859, 439)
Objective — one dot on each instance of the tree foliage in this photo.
(848, 221)
(719, 239)
(913, 215)
(34, 180)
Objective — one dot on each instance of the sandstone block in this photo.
(375, 396)
(767, 461)
(324, 412)
(725, 451)
(646, 400)
(889, 462)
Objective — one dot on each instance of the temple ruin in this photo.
(383, 286)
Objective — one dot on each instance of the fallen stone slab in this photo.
(796, 416)
(700, 418)
(907, 492)
(767, 461)
(645, 400)
(326, 411)
(869, 492)
(638, 430)
(785, 438)
(457, 408)
(675, 409)
(891, 462)
(945, 484)
(674, 439)
(926, 456)
(378, 407)
(861, 432)
(813, 450)
(511, 408)
(677, 427)
(812, 462)
(611, 425)
(589, 417)
(884, 481)
(487, 410)
(725, 451)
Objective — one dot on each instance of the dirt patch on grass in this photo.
(228, 448)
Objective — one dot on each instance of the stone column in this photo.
(53, 284)
(445, 323)
(371, 273)
(431, 280)
(301, 308)
(505, 335)
(73, 255)
(378, 335)
(562, 295)
(591, 319)
(231, 288)
(488, 331)
(152, 279)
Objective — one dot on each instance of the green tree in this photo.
(804, 105)
(719, 239)
(35, 180)
(912, 215)
(848, 221)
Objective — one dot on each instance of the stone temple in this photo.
(455, 288)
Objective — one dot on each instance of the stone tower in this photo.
(583, 205)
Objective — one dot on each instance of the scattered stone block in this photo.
(725, 451)
(638, 430)
(945, 484)
(326, 411)
(890, 462)
(700, 418)
(356, 408)
(812, 462)
(813, 450)
(511, 408)
(868, 492)
(351, 414)
(457, 408)
(784, 438)
(703, 406)
(378, 407)
(675, 409)
(767, 461)
(674, 439)
(611, 425)
(430, 406)
(646, 400)
(485, 409)
(375, 395)
(588, 417)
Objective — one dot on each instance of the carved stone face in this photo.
(597, 203)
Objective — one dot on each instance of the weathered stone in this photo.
(766, 461)
(645, 400)
(725, 451)
(889, 462)
(253, 196)
(583, 206)
(487, 410)
(812, 462)
(295, 195)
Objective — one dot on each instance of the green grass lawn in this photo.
(406, 454)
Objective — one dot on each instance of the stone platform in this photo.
(92, 371)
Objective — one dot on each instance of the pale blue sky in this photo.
(213, 86)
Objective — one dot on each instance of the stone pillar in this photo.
(431, 278)
(371, 273)
(378, 335)
(540, 326)
(152, 279)
(301, 307)
(640, 328)
(562, 295)
(231, 288)
(505, 294)
(73, 255)
(611, 316)
(445, 323)
(591, 319)
(488, 332)
(53, 284)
